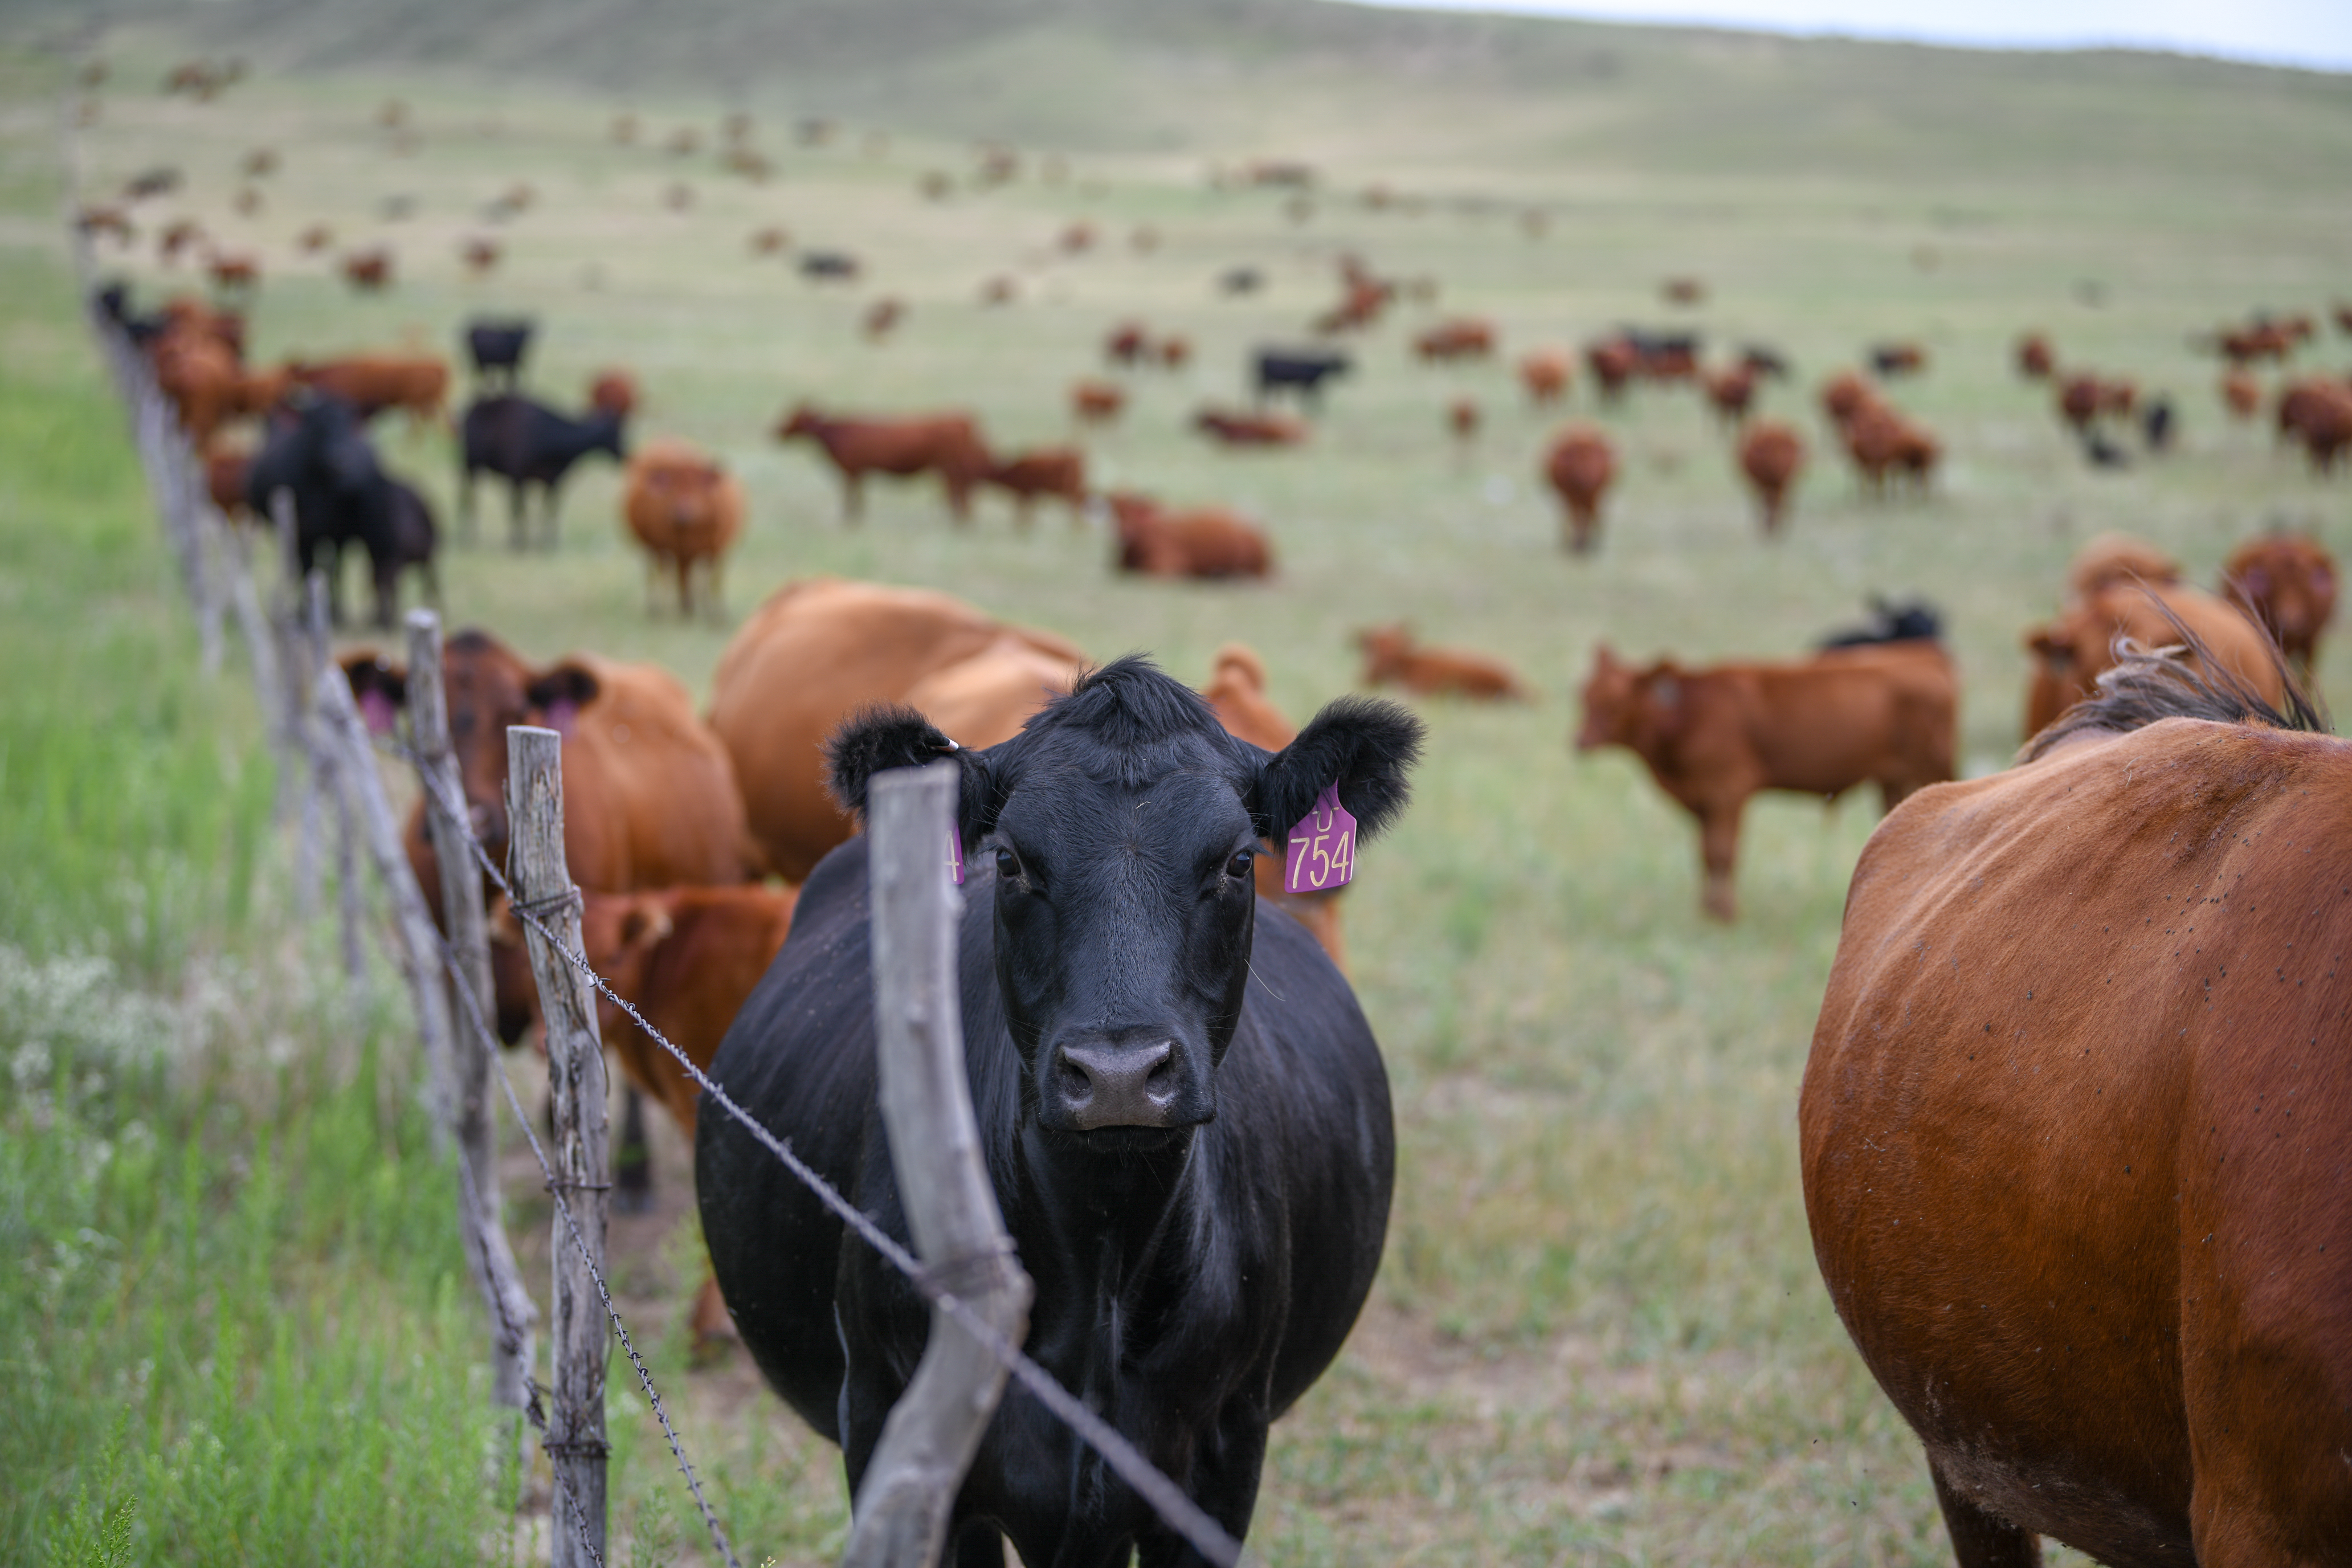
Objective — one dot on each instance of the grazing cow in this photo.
(180, 234)
(1096, 402)
(997, 290)
(1390, 657)
(369, 271)
(1182, 1112)
(1730, 392)
(1236, 692)
(1662, 356)
(1175, 351)
(2035, 359)
(1765, 361)
(1240, 428)
(232, 272)
(2286, 581)
(1844, 396)
(948, 445)
(685, 508)
(1772, 455)
(1241, 281)
(1914, 620)
(2155, 420)
(1361, 304)
(882, 318)
(1889, 361)
(1885, 446)
(771, 240)
(1462, 419)
(2073, 1130)
(829, 267)
(205, 383)
(2074, 650)
(527, 443)
(2318, 413)
(1209, 543)
(1683, 292)
(418, 385)
(1712, 738)
(96, 218)
(2241, 394)
(1580, 467)
(1057, 471)
(1077, 238)
(649, 799)
(314, 238)
(819, 650)
(496, 349)
(478, 253)
(1128, 343)
(1463, 338)
(1614, 364)
(1301, 372)
(342, 497)
(2262, 340)
(1545, 374)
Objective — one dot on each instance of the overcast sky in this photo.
(2315, 33)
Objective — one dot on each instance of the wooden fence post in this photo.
(319, 646)
(482, 1212)
(935, 1429)
(578, 1338)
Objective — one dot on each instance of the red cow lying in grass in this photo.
(1464, 338)
(1883, 714)
(1199, 541)
(948, 445)
(1235, 428)
(1390, 656)
(1096, 402)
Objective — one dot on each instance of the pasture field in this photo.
(1598, 1335)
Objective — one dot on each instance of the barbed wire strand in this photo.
(1179, 1511)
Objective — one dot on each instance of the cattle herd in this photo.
(2074, 1126)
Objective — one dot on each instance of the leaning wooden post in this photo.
(932, 1432)
(481, 1211)
(577, 1339)
(320, 646)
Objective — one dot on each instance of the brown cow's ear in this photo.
(644, 925)
(560, 693)
(378, 689)
(1363, 745)
(889, 735)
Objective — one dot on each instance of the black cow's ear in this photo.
(1363, 745)
(378, 689)
(889, 735)
(561, 693)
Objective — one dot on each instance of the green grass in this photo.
(1598, 1336)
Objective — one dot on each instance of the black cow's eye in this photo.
(1239, 866)
(1008, 864)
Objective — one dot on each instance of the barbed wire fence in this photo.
(328, 766)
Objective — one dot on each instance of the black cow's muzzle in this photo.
(1100, 1082)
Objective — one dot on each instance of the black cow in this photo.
(2156, 424)
(1241, 281)
(497, 348)
(318, 452)
(1183, 1112)
(1302, 371)
(1765, 359)
(525, 443)
(1914, 620)
(820, 265)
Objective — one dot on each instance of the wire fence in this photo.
(320, 744)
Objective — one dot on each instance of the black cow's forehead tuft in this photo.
(1129, 704)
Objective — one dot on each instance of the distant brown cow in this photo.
(479, 254)
(2286, 581)
(1391, 658)
(1243, 427)
(1683, 292)
(2035, 360)
(418, 385)
(1096, 402)
(948, 445)
(1236, 689)
(1127, 343)
(1545, 374)
(1614, 364)
(2241, 395)
(1175, 351)
(1579, 468)
(1772, 455)
(1208, 542)
(612, 391)
(369, 271)
(770, 241)
(228, 471)
(1887, 449)
(1464, 337)
(1462, 419)
(1730, 389)
(687, 509)
(2078, 646)
(819, 650)
(1057, 471)
(882, 318)
(2074, 1133)
(1712, 738)
(1845, 396)
(181, 234)
(2318, 413)
(232, 271)
(314, 238)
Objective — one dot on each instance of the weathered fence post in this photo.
(481, 1211)
(292, 701)
(934, 1429)
(577, 1339)
(318, 648)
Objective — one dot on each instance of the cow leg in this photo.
(685, 587)
(1979, 1540)
(633, 1165)
(1718, 852)
(518, 526)
(552, 505)
(1225, 1483)
(853, 496)
(388, 590)
(713, 1325)
(465, 530)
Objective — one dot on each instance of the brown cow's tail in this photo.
(2149, 684)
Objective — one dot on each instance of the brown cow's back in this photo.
(1828, 725)
(2073, 1140)
(650, 784)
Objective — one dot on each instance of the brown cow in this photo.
(1175, 351)
(1096, 402)
(770, 241)
(314, 238)
(820, 648)
(1845, 396)
(1057, 471)
(1883, 714)
(882, 318)
(1545, 374)
(1128, 343)
(2074, 1132)
(612, 391)
(478, 253)
(2241, 395)
(1243, 427)
(1464, 337)
(418, 385)
(2110, 560)
(1390, 656)
(1236, 689)
(369, 271)
(649, 798)
(1580, 467)
(1730, 389)
(2318, 413)
(2287, 582)
(180, 234)
(2074, 650)
(1886, 448)
(2035, 360)
(685, 508)
(1462, 419)
(1772, 455)
(231, 271)
(1208, 542)
(1614, 364)
(228, 471)
(946, 444)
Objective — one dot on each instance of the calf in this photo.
(948, 445)
(1546, 373)
(1711, 738)
(687, 509)
(2287, 582)
(1208, 542)
(527, 443)
(1391, 658)
(1772, 455)
(1580, 467)
(1057, 471)
(1301, 372)
(1182, 1109)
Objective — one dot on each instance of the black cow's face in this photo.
(1117, 836)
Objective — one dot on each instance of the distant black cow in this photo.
(525, 443)
(2104, 452)
(1182, 1108)
(1662, 356)
(1241, 281)
(113, 302)
(820, 265)
(496, 349)
(1302, 371)
(318, 453)
(1914, 620)
(1765, 359)
(2156, 424)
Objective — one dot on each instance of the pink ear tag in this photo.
(1322, 851)
(376, 709)
(955, 856)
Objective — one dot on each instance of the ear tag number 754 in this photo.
(1321, 854)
